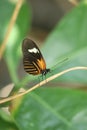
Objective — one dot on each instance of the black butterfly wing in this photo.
(32, 58)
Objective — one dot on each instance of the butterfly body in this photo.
(33, 60)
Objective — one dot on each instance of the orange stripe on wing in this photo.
(41, 64)
(37, 67)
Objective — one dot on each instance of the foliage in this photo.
(48, 108)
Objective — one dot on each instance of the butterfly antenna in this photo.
(60, 62)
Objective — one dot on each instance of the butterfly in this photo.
(33, 60)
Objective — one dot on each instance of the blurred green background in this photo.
(60, 30)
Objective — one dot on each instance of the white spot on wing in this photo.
(34, 50)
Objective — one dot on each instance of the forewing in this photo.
(29, 47)
(32, 58)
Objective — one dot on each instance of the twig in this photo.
(42, 83)
(10, 26)
(74, 2)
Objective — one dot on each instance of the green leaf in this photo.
(6, 122)
(52, 109)
(55, 108)
(6, 9)
(69, 39)
(22, 25)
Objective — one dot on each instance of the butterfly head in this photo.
(44, 72)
